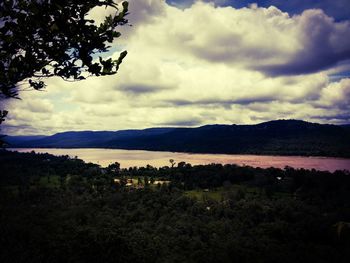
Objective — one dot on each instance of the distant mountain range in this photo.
(280, 137)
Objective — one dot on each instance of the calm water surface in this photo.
(128, 158)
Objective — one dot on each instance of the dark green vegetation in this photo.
(47, 38)
(3, 114)
(60, 209)
(282, 137)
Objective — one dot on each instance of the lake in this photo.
(128, 158)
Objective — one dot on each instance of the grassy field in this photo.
(221, 193)
(200, 195)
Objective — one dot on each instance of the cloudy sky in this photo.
(192, 63)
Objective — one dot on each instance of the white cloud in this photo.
(201, 65)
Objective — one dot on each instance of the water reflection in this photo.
(138, 158)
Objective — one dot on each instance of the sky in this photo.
(192, 63)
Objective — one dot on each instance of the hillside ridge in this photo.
(278, 137)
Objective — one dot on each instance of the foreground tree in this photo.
(44, 38)
(3, 114)
(114, 169)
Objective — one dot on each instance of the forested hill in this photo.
(281, 137)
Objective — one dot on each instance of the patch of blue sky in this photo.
(59, 101)
(339, 76)
(338, 9)
(114, 48)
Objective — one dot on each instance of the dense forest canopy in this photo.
(60, 209)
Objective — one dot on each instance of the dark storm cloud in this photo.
(144, 11)
(22, 129)
(335, 118)
(180, 102)
(339, 9)
(305, 63)
(138, 89)
(282, 46)
(223, 103)
(342, 106)
(189, 122)
(247, 101)
(231, 48)
(332, 117)
(325, 44)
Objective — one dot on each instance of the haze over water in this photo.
(130, 158)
